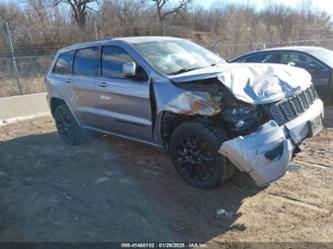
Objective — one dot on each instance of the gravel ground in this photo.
(110, 189)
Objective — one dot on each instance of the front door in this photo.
(123, 103)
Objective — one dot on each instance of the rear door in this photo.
(123, 103)
(61, 78)
(319, 72)
(83, 85)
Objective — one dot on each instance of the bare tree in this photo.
(165, 8)
(229, 29)
(79, 9)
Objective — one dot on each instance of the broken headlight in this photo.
(243, 119)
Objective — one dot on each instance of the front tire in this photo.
(68, 129)
(194, 151)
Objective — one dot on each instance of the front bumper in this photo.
(266, 153)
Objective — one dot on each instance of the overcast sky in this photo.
(319, 4)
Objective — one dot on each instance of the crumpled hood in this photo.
(254, 83)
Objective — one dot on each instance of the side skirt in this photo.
(123, 136)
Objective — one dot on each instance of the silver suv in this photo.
(211, 116)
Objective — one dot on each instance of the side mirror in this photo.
(129, 69)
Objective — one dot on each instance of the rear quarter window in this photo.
(64, 63)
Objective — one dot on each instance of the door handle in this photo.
(68, 81)
(103, 84)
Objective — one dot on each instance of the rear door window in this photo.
(86, 61)
(64, 63)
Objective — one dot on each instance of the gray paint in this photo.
(248, 152)
(123, 106)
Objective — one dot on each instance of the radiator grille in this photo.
(290, 108)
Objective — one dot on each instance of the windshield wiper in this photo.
(184, 70)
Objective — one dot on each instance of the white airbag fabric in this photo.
(264, 83)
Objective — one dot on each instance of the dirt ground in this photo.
(110, 189)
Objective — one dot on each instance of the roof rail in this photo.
(84, 42)
(95, 40)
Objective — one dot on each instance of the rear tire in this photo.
(68, 129)
(194, 152)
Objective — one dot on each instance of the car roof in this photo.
(131, 39)
(141, 39)
(294, 48)
(304, 49)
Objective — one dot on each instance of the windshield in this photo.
(323, 54)
(177, 56)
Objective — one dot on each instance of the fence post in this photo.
(96, 30)
(12, 53)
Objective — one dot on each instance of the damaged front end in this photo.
(189, 103)
(265, 153)
(263, 135)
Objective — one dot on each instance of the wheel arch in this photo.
(56, 101)
(169, 121)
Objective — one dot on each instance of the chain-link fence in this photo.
(30, 78)
(229, 51)
(22, 70)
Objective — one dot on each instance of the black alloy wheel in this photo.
(68, 129)
(195, 158)
(194, 151)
